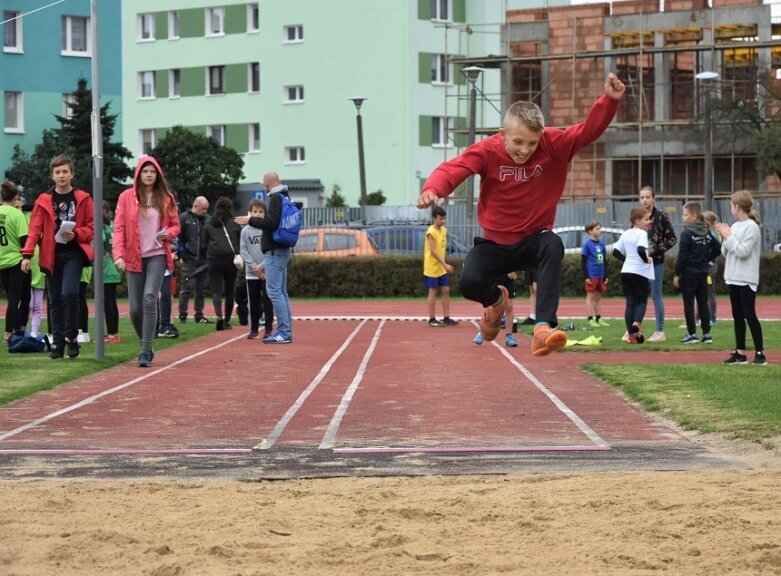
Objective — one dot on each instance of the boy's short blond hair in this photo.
(637, 214)
(590, 225)
(526, 113)
(695, 209)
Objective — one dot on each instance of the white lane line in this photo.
(582, 426)
(117, 388)
(333, 426)
(269, 441)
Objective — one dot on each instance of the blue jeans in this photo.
(276, 262)
(656, 295)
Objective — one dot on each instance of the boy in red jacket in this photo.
(62, 225)
(523, 171)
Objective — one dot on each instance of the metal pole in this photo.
(470, 182)
(708, 189)
(97, 186)
(361, 166)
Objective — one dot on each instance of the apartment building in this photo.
(560, 56)
(274, 80)
(46, 48)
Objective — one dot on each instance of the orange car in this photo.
(334, 241)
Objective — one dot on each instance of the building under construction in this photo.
(700, 82)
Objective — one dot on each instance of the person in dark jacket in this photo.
(194, 278)
(220, 240)
(277, 258)
(661, 238)
(697, 249)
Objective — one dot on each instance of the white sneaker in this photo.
(625, 337)
(83, 338)
(657, 337)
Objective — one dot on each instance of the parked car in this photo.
(409, 239)
(573, 238)
(334, 241)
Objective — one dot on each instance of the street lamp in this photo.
(705, 78)
(472, 73)
(358, 101)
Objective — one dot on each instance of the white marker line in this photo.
(100, 395)
(282, 424)
(582, 426)
(333, 427)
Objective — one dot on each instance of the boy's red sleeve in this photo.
(447, 176)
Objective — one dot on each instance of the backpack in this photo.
(289, 223)
(23, 341)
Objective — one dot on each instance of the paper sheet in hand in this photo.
(66, 226)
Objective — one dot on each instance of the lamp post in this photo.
(358, 101)
(472, 73)
(705, 78)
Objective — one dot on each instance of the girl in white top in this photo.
(636, 273)
(741, 248)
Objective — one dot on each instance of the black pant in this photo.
(695, 287)
(164, 305)
(110, 308)
(636, 289)
(259, 301)
(63, 287)
(222, 276)
(488, 263)
(17, 286)
(192, 284)
(744, 311)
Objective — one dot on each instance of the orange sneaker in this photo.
(491, 322)
(545, 340)
(112, 339)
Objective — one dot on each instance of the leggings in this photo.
(143, 289)
(17, 286)
(744, 311)
(222, 276)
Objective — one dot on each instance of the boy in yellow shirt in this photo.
(436, 270)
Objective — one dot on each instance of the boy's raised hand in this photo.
(426, 199)
(614, 87)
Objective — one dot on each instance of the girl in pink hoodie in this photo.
(146, 221)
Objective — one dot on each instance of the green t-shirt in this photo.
(13, 225)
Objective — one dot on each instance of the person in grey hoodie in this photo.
(741, 249)
(255, 274)
(696, 249)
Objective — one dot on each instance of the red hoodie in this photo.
(126, 240)
(517, 201)
(43, 228)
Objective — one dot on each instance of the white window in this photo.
(146, 85)
(146, 27)
(440, 69)
(292, 34)
(442, 10)
(254, 137)
(441, 127)
(253, 17)
(216, 133)
(76, 39)
(294, 155)
(293, 94)
(173, 25)
(174, 83)
(215, 21)
(215, 80)
(12, 31)
(13, 105)
(253, 72)
(148, 140)
(68, 103)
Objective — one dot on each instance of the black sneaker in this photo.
(528, 321)
(203, 320)
(182, 319)
(450, 322)
(736, 358)
(220, 325)
(57, 352)
(759, 359)
(227, 325)
(73, 349)
(170, 332)
(434, 323)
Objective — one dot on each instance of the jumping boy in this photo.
(62, 225)
(595, 270)
(523, 170)
(435, 270)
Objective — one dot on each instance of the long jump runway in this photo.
(361, 396)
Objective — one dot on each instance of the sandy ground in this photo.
(698, 522)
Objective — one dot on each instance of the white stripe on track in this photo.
(269, 441)
(117, 388)
(566, 410)
(333, 426)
